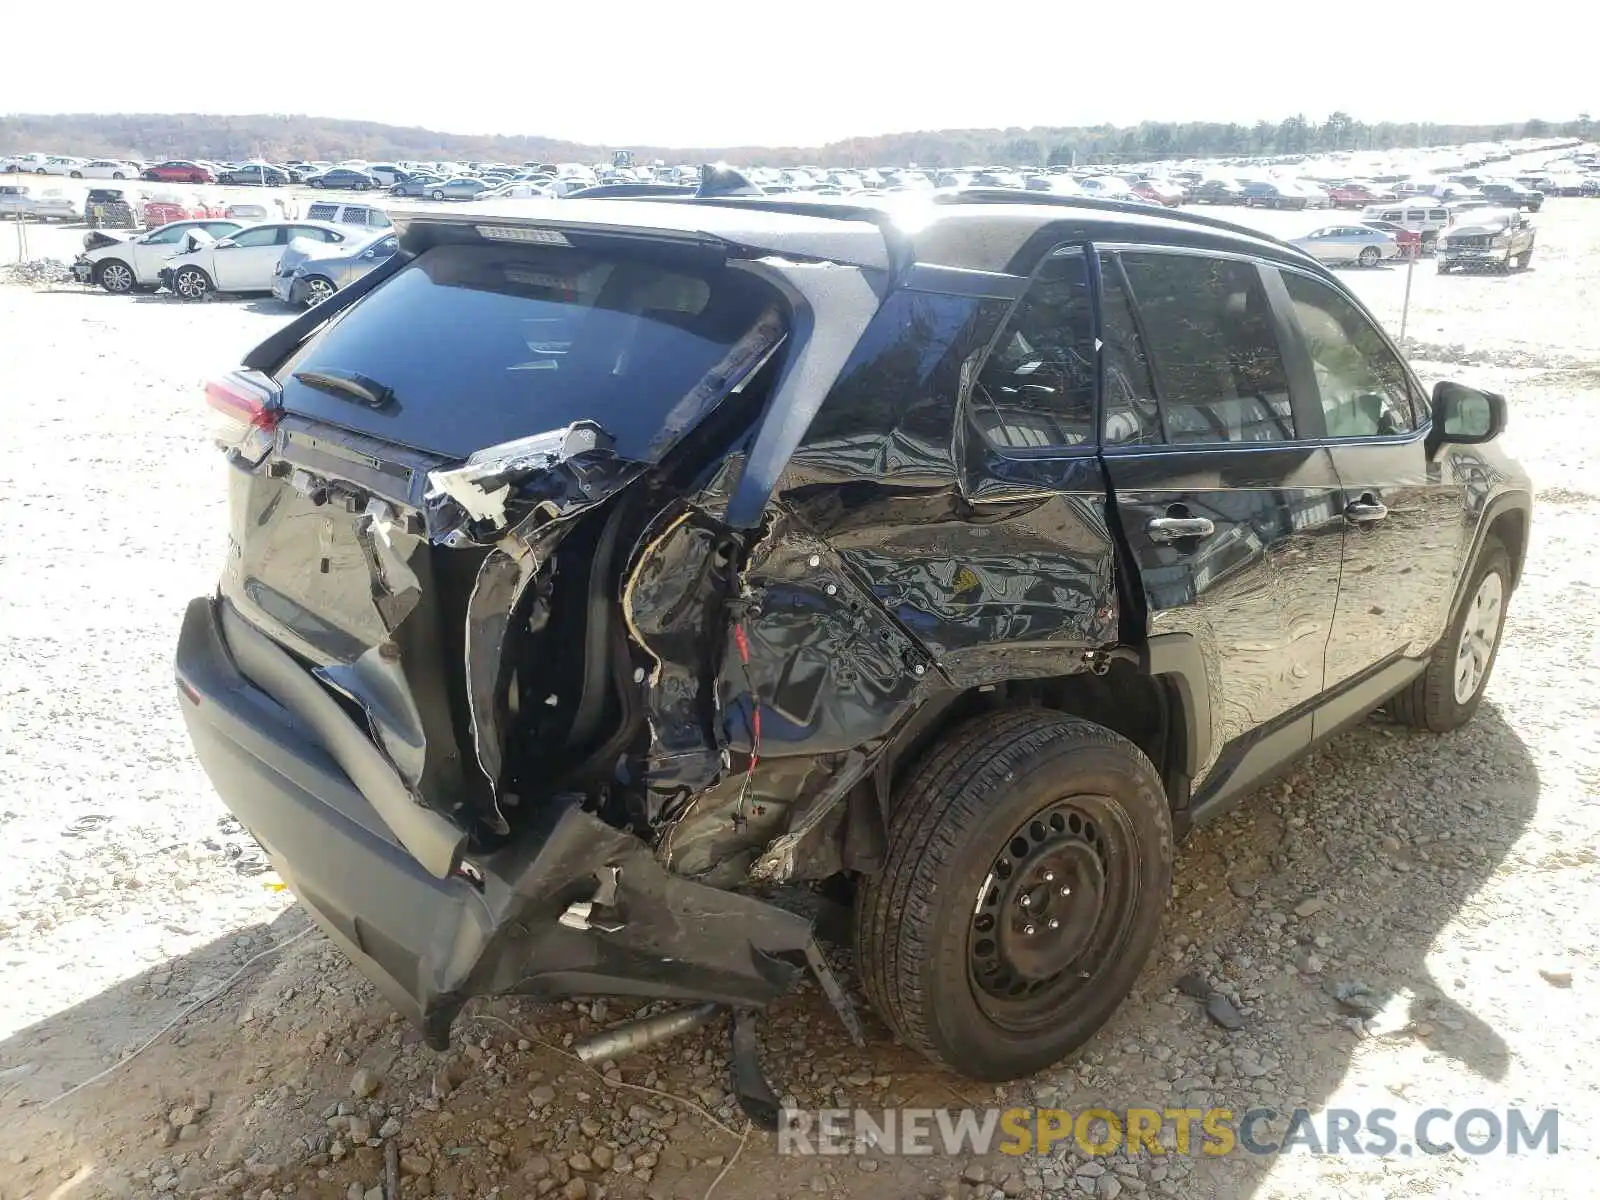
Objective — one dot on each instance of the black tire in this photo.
(1524, 259)
(192, 284)
(316, 183)
(1444, 268)
(77, 174)
(1430, 701)
(437, 194)
(118, 175)
(1369, 256)
(115, 276)
(994, 784)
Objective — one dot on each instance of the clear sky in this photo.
(721, 72)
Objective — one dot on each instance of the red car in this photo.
(1357, 195)
(179, 170)
(1165, 194)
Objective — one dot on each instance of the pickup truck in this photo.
(1487, 240)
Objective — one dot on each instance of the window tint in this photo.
(1037, 387)
(314, 233)
(262, 235)
(1131, 416)
(484, 344)
(1365, 390)
(217, 229)
(1209, 335)
(165, 237)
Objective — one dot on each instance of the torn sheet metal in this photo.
(813, 675)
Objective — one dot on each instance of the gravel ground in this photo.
(1453, 877)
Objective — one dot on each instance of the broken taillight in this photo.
(245, 408)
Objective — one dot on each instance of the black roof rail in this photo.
(995, 195)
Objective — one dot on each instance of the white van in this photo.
(1419, 213)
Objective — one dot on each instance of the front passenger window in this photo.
(1364, 387)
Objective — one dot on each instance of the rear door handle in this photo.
(1172, 529)
(1365, 511)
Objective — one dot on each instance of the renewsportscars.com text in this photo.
(1160, 1131)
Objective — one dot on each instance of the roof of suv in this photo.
(973, 229)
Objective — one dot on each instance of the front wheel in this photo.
(1447, 693)
(1524, 259)
(1029, 861)
(1369, 256)
(316, 183)
(318, 289)
(115, 276)
(191, 283)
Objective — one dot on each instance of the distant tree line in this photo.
(283, 136)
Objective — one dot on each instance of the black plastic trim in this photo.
(1176, 656)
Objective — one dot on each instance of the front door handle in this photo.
(1365, 511)
(1172, 529)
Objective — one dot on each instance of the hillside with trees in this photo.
(278, 137)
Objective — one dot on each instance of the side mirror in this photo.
(225, 244)
(1465, 416)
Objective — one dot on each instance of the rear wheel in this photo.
(118, 175)
(437, 194)
(191, 283)
(1524, 259)
(1446, 695)
(1029, 861)
(1369, 256)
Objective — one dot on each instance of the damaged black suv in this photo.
(618, 589)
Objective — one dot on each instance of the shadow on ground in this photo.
(1319, 833)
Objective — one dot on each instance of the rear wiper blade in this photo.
(349, 383)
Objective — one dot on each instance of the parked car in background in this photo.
(1169, 195)
(1408, 240)
(336, 213)
(243, 261)
(344, 178)
(254, 174)
(1105, 187)
(1360, 244)
(22, 164)
(462, 187)
(178, 170)
(111, 208)
(527, 190)
(41, 204)
(1218, 191)
(415, 185)
(308, 273)
(61, 164)
(107, 168)
(1419, 213)
(1506, 194)
(1357, 195)
(1491, 239)
(1261, 193)
(136, 262)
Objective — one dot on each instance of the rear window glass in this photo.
(482, 344)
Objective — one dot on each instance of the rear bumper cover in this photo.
(429, 943)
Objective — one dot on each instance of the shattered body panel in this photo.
(638, 687)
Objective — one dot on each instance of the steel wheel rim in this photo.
(117, 278)
(317, 291)
(1480, 630)
(1052, 912)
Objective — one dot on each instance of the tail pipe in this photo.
(633, 1036)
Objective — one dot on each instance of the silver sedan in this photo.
(1360, 244)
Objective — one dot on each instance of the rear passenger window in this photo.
(1130, 415)
(1036, 389)
(1209, 336)
(1364, 388)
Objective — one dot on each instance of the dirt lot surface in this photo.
(1454, 877)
